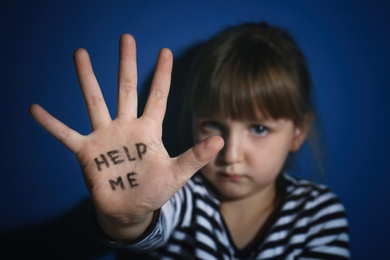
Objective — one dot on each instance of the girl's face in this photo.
(253, 155)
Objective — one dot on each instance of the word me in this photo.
(119, 182)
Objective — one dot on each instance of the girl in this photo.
(251, 108)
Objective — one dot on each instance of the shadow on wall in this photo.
(71, 236)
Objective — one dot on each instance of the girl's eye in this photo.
(211, 126)
(259, 130)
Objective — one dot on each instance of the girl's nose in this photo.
(232, 151)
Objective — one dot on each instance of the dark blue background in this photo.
(43, 199)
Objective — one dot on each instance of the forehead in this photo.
(259, 118)
(247, 112)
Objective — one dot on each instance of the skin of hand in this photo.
(125, 165)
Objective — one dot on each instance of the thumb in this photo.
(196, 157)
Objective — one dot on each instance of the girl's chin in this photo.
(229, 193)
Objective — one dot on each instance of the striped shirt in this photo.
(310, 223)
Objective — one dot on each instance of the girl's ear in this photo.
(300, 133)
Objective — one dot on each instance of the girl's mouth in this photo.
(231, 176)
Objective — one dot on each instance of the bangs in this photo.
(248, 81)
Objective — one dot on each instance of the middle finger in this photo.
(127, 78)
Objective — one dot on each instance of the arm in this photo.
(172, 214)
(126, 168)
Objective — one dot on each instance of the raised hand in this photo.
(126, 168)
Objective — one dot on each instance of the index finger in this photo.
(157, 100)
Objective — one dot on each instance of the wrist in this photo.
(125, 229)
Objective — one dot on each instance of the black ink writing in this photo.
(117, 156)
(128, 154)
(103, 161)
(118, 181)
(132, 181)
(141, 149)
(114, 158)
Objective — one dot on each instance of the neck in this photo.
(254, 204)
(247, 218)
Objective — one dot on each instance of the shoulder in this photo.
(192, 189)
(192, 196)
(303, 192)
(313, 217)
(203, 193)
(315, 203)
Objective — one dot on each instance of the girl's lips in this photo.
(231, 176)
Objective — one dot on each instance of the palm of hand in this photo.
(119, 169)
(124, 163)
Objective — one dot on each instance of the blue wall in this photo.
(42, 194)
